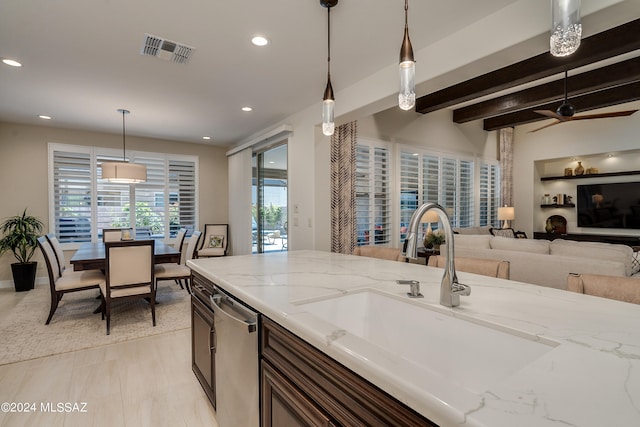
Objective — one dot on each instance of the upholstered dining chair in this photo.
(129, 275)
(180, 272)
(58, 252)
(178, 245)
(215, 241)
(72, 281)
(115, 234)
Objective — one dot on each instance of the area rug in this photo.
(24, 336)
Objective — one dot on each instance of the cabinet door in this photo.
(203, 347)
(285, 405)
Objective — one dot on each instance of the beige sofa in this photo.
(625, 289)
(381, 252)
(546, 263)
(484, 267)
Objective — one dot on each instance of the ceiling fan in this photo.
(566, 110)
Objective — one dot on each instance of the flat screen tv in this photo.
(615, 205)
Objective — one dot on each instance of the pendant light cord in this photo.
(329, 41)
(124, 158)
(406, 14)
(565, 85)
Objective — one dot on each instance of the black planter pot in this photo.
(24, 275)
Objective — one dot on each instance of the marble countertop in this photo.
(590, 376)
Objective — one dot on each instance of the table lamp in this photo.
(506, 214)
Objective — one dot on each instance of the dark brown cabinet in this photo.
(203, 347)
(301, 386)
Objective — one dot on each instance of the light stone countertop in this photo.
(590, 376)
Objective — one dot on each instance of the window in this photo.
(82, 204)
(373, 206)
(489, 194)
(445, 180)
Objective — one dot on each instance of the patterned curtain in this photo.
(343, 197)
(506, 166)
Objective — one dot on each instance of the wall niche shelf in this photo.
(555, 205)
(591, 175)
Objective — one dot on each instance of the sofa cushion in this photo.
(503, 232)
(520, 245)
(485, 229)
(594, 250)
(473, 241)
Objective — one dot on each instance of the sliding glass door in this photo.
(269, 200)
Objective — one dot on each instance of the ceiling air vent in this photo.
(166, 49)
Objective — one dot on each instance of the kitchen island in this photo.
(510, 354)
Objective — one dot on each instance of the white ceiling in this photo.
(81, 59)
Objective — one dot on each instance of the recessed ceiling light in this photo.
(11, 62)
(259, 40)
(43, 117)
(206, 138)
(247, 109)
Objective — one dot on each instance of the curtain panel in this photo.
(343, 177)
(506, 166)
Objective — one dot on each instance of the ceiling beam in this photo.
(607, 44)
(613, 75)
(604, 98)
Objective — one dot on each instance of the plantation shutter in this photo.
(182, 196)
(72, 196)
(372, 194)
(489, 194)
(409, 190)
(113, 200)
(150, 200)
(465, 194)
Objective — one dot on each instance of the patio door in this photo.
(269, 199)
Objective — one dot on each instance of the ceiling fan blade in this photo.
(551, 114)
(546, 126)
(605, 115)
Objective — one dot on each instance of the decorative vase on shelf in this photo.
(579, 169)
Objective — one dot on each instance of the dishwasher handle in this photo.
(251, 323)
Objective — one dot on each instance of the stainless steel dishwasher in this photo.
(236, 363)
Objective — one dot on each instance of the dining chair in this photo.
(115, 234)
(180, 272)
(178, 245)
(58, 252)
(215, 241)
(72, 281)
(129, 275)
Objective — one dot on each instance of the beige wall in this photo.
(24, 170)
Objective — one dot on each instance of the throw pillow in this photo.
(216, 241)
(635, 262)
(503, 232)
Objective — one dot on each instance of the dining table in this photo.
(91, 255)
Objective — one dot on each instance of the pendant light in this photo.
(407, 93)
(566, 28)
(328, 101)
(123, 172)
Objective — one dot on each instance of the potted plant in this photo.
(434, 240)
(21, 237)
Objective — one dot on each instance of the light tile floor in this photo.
(143, 382)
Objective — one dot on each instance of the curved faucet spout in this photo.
(450, 289)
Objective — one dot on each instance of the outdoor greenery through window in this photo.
(82, 204)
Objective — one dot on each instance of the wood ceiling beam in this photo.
(604, 98)
(613, 75)
(607, 44)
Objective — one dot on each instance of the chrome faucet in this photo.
(450, 289)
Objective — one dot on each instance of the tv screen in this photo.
(615, 205)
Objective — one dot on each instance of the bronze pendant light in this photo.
(328, 101)
(407, 92)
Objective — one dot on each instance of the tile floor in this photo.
(143, 382)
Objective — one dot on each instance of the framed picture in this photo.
(520, 235)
